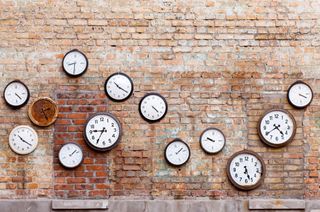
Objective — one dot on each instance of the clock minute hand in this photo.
(246, 172)
(72, 153)
(179, 151)
(277, 127)
(24, 140)
(17, 95)
(155, 109)
(302, 95)
(44, 113)
(102, 131)
(210, 139)
(120, 87)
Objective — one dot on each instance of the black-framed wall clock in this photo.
(246, 170)
(153, 107)
(177, 152)
(118, 87)
(300, 94)
(277, 127)
(16, 94)
(23, 139)
(70, 155)
(212, 140)
(102, 131)
(75, 63)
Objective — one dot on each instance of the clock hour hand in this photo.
(120, 87)
(179, 151)
(17, 95)
(155, 109)
(302, 95)
(98, 130)
(45, 115)
(102, 131)
(277, 127)
(210, 139)
(246, 172)
(72, 153)
(24, 140)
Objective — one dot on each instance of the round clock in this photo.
(212, 140)
(300, 94)
(277, 128)
(75, 63)
(118, 87)
(23, 139)
(102, 131)
(16, 94)
(70, 155)
(153, 107)
(177, 152)
(43, 111)
(246, 170)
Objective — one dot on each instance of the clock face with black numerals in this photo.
(102, 131)
(277, 128)
(153, 107)
(75, 63)
(118, 87)
(16, 94)
(246, 170)
(23, 139)
(300, 94)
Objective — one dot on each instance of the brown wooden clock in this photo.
(43, 111)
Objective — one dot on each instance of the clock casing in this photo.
(16, 94)
(153, 107)
(118, 87)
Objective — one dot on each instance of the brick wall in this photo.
(218, 63)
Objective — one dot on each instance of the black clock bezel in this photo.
(164, 114)
(24, 103)
(107, 148)
(265, 141)
(263, 166)
(75, 75)
(76, 165)
(165, 150)
(106, 90)
(212, 128)
(289, 100)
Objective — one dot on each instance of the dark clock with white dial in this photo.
(75, 63)
(212, 140)
(300, 94)
(153, 107)
(102, 131)
(70, 155)
(177, 152)
(16, 94)
(118, 87)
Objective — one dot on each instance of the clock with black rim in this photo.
(75, 63)
(70, 155)
(177, 152)
(246, 170)
(102, 131)
(118, 87)
(212, 140)
(277, 127)
(153, 107)
(16, 94)
(300, 94)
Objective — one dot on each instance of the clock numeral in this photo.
(267, 122)
(237, 164)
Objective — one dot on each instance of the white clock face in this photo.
(212, 140)
(75, 63)
(300, 95)
(102, 131)
(245, 170)
(70, 155)
(177, 152)
(153, 107)
(118, 87)
(277, 127)
(23, 139)
(16, 94)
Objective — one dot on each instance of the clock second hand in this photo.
(24, 140)
(102, 131)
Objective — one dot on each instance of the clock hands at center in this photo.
(102, 131)
(179, 151)
(155, 109)
(210, 139)
(72, 153)
(17, 95)
(24, 140)
(302, 95)
(275, 127)
(246, 172)
(43, 111)
(120, 87)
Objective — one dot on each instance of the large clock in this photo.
(75, 63)
(43, 111)
(153, 107)
(177, 152)
(16, 94)
(118, 87)
(23, 139)
(246, 170)
(300, 94)
(212, 140)
(70, 155)
(102, 131)
(277, 127)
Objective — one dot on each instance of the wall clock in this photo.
(118, 87)
(23, 139)
(246, 170)
(153, 107)
(16, 94)
(212, 140)
(43, 111)
(177, 152)
(300, 94)
(102, 131)
(70, 155)
(75, 63)
(277, 128)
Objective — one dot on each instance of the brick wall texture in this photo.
(219, 63)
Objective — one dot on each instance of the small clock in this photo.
(153, 107)
(102, 131)
(75, 63)
(177, 152)
(300, 94)
(23, 139)
(118, 87)
(70, 155)
(277, 128)
(43, 111)
(246, 170)
(16, 94)
(212, 140)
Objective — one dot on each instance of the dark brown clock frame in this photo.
(282, 144)
(23, 104)
(105, 87)
(75, 75)
(165, 150)
(263, 165)
(212, 128)
(299, 82)
(39, 116)
(159, 119)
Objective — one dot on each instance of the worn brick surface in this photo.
(219, 64)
